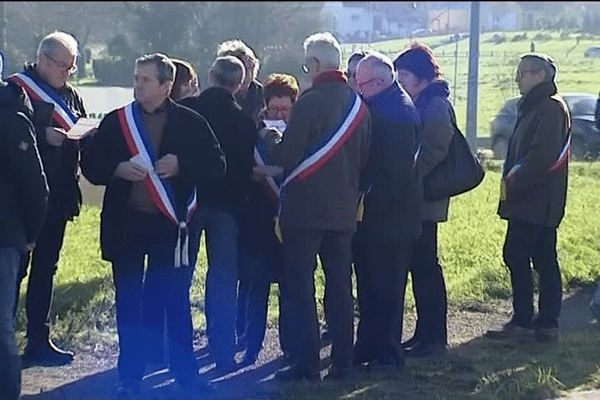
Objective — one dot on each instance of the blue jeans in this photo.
(159, 286)
(221, 281)
(10, 362)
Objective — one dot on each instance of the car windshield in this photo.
(581, 105)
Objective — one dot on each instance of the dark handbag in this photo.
(459, 172)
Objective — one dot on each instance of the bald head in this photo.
(374, 73)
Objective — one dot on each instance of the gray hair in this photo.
(52, 41)
(542, 62)
(164, 65)
(324, 47)
(240, 50)
(383, 67)
(228, 72)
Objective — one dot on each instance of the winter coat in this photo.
(23, 185)
(436, 113)
(393, 203)
(327, 199)
(186, 135)
(535, 191)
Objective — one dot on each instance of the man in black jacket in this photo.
(57, 105)
(23, 200)
(220, 203)
(151, 155)
(392, 214)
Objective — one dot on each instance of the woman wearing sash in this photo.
(260, 254)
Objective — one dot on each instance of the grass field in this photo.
(498, 63)
(470, 249)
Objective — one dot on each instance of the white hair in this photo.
(50, 43)
(324, 47)
(383, 67)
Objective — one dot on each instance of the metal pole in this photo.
(3, 23)
(455, 68)
(473, 77)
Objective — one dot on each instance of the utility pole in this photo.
(3, 38)
(473, 77)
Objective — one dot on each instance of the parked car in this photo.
(585, 139)
(593, 51)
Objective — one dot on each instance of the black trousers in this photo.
(429, 288)
(43, 263)
(528, 243)
(381, 271)
(301, 247)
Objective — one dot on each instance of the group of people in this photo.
(274, 178)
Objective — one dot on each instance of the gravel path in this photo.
(92, 375)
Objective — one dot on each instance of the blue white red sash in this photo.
(325, 150)
(40, 91)
(562, 159)
(331, 144)
(160, 190)
(271, 184)
(564, 155)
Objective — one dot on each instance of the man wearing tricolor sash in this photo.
(323, 151)
(57, 106)
(533, 197)
(151, 155)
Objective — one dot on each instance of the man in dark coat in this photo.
(219, 204)
(392, 214)
(56, 104)
(323, 152)
(533, 197)
(151, 155)
(23, 200)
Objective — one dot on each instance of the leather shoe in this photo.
(410, 342)
(294, 373)
(46, 355)
(340, 374)
(423, 350)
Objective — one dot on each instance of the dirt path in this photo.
(92, 375)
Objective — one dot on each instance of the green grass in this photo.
(470, 249)
(497, 65)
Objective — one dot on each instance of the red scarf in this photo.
(330, 77)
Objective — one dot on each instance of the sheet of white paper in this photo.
(271, 170)
(82, 127)
(275, 123)
(139, 160)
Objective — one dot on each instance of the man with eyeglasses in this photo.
(57, 106)
(323, 151)
(392, 214)
(532, 199)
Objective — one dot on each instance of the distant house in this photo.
(522, 15)
(448, 16)
(365, 21)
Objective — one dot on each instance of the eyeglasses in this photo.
(519, 74)
(275, 109)
(68, 68)
(362, 84)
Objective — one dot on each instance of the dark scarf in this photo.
(437, 88)
(534, 96)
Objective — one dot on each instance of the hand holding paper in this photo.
(82, 128)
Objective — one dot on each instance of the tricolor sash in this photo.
(41, 91)
(562, 159)
(325, 150)
(271, 184)
(160, 190)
